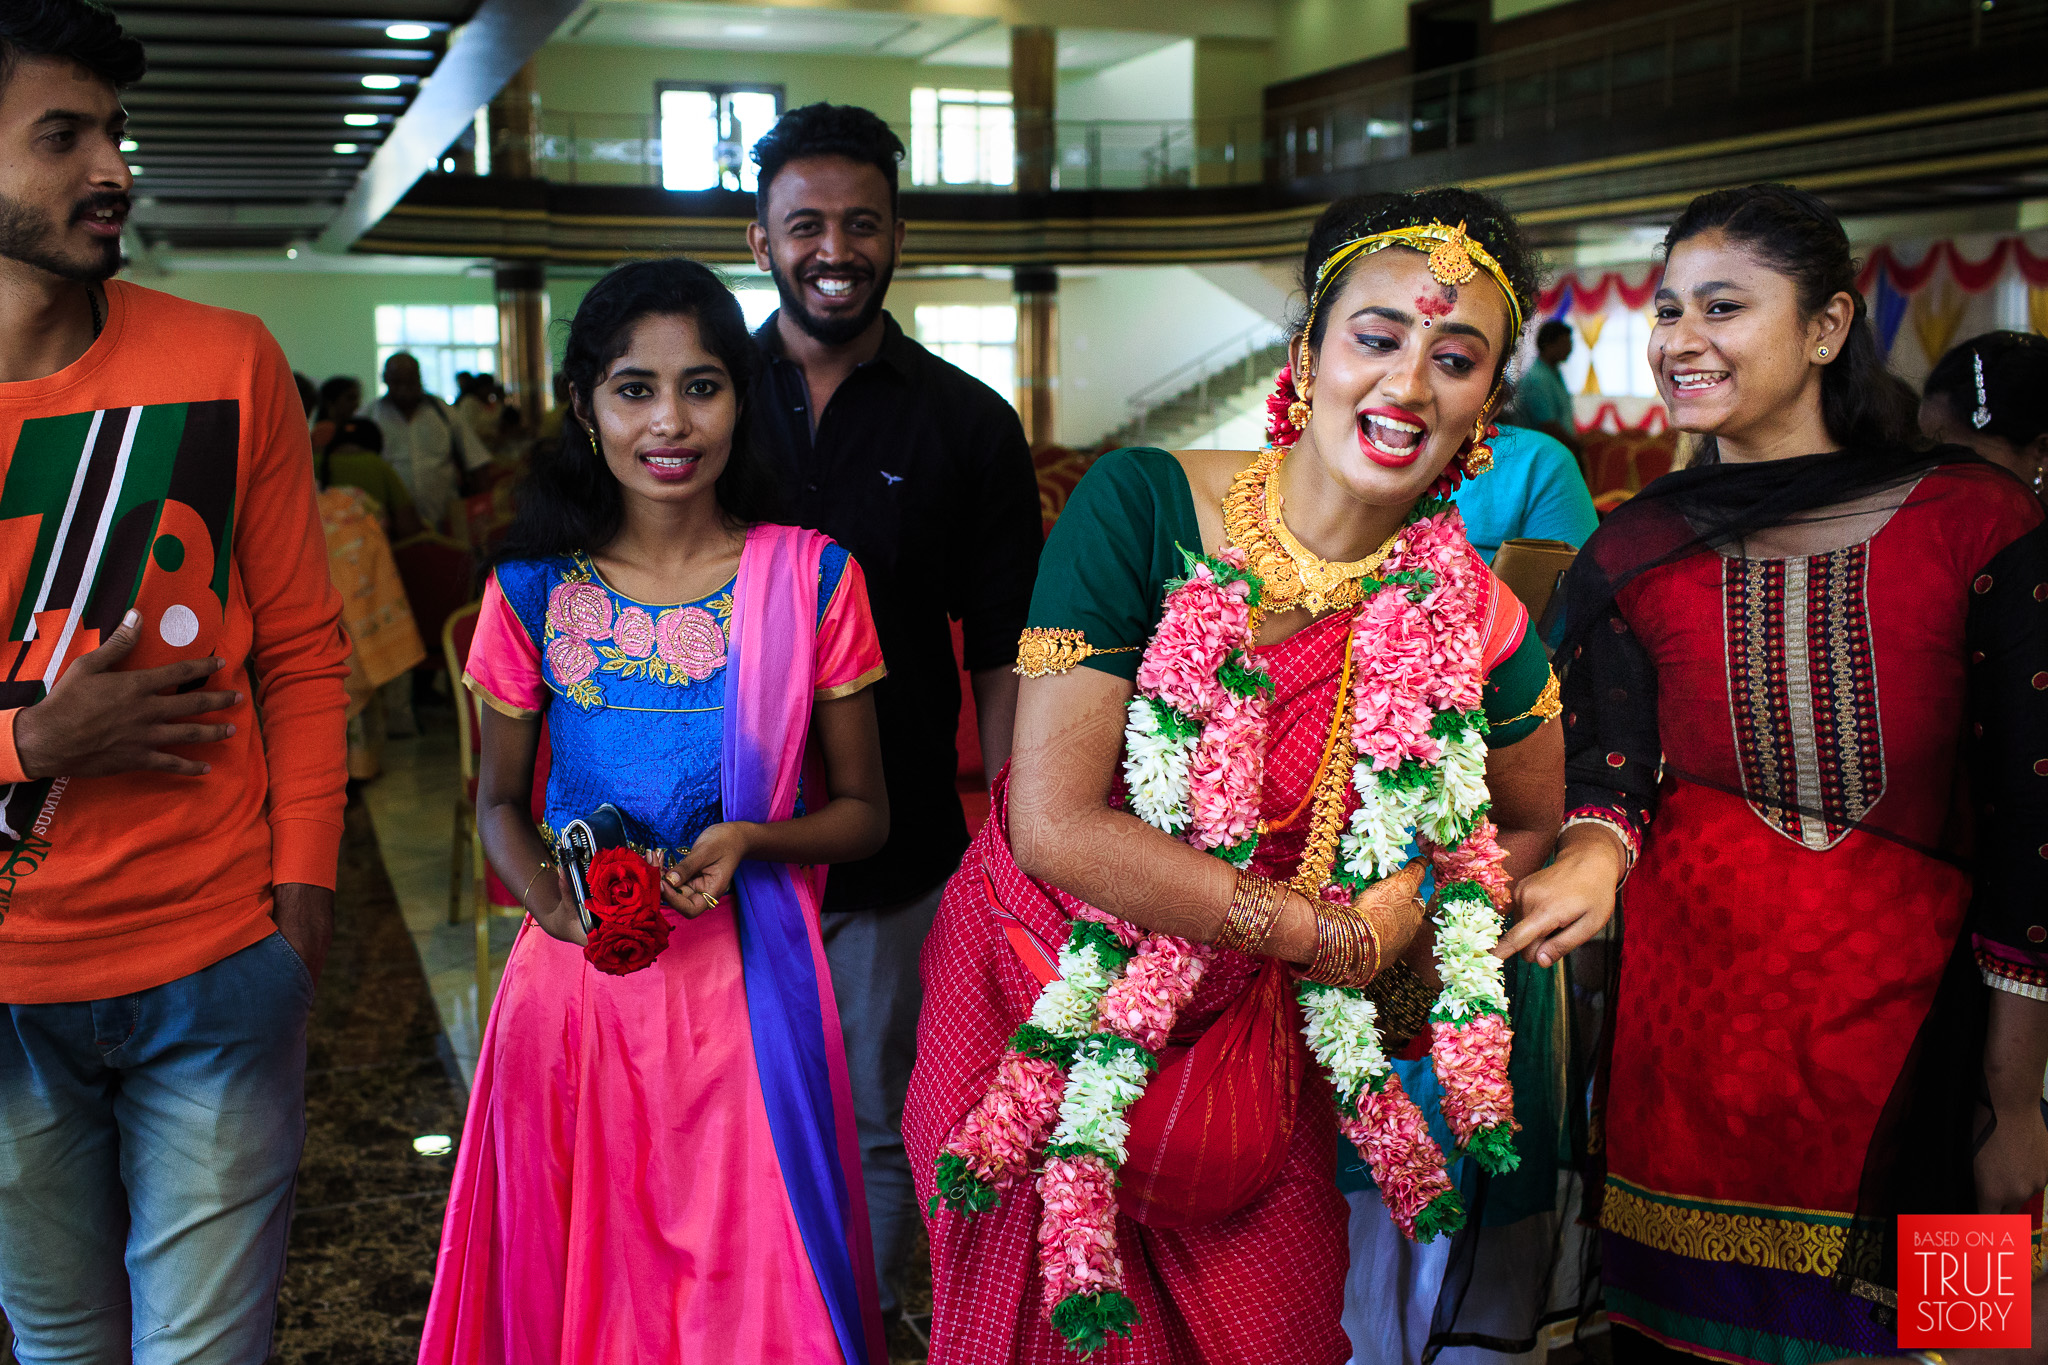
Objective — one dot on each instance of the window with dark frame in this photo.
(708, 129)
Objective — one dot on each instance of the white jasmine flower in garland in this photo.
(1467, 929)
(1342, 1028)
(1106, 1079)
(1464, 769)
(1157, 749)
(1457, 790)
(1375, 844)
(1066, 1007)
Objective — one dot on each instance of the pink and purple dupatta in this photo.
(790, 1006)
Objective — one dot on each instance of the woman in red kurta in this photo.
(1800, 671)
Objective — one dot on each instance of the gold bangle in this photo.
(1347, 950)
(545, 866)
(1255, 904)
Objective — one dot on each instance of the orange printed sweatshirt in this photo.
(166, 470)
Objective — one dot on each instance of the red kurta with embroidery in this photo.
(1788, 923)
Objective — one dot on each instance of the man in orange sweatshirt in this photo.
(171, 755)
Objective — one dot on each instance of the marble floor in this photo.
(384, 1110)
(412, 806)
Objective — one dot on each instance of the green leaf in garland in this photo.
(1343, 876)
(960, 1189)
(1173, 723)
(1222, 570)
(1494, 1149)
(1242, 678)
(1097, 936)
(1033, 1041)
(1451, 724)
(1054, 1151)
(1410, 778)
(1445, 1214)
(1238, 855)
(1102, 1046)
(1465, 891)
(1088, 1320)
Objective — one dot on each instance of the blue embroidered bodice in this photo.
(636, 694)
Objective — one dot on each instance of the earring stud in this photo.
(1823, 353)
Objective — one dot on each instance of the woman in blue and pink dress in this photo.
(661, 1165)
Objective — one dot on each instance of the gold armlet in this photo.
(1548, 706)
(1043, 651)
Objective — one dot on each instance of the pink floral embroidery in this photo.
(689, 641)
(572, 659)
(634, 633)
(580, 610)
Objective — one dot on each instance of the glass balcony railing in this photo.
(622, 149)
(1692, 57)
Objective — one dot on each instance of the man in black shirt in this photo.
(921, 471)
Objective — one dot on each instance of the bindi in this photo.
(1437, 305)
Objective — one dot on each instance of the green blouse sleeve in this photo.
(1512, 691)
(1101, 580)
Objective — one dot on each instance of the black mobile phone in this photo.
(578, 843)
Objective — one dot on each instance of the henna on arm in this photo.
(1069, 734)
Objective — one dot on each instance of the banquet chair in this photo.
(456, 634)
(491, 896)
(439, 574)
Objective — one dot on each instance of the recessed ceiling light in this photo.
(380, 82)
(360, 120)
(134, 170)
(746, 30)
(129, 144)
(344, 149)
(408, 33)
(291, 253)
(433, 1144)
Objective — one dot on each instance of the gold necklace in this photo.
(1292, 574)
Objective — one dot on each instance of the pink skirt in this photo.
(617, 1194)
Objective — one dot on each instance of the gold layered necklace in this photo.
(1292, 574)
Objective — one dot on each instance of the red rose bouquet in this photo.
(625, 900)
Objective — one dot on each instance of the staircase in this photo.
(1173, 412)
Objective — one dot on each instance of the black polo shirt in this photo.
(922, 471)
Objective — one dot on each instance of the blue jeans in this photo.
(148, 1148)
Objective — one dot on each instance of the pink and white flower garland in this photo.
(1195, 746)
